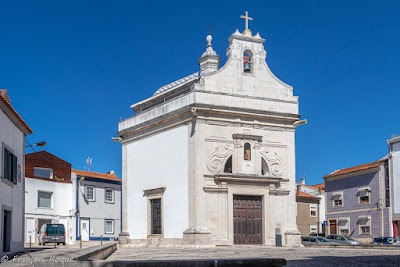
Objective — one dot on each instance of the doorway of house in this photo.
(85, 226)
(6, 231)
(332, 227)
(247, 219)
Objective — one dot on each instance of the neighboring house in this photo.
(394, 185)
(13, 131)
(49, 195)
(210, 158)
(307, 213)
(98, 204)
(357, 201)
(317, 190)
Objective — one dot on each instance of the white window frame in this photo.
(42, 168)
(94, 193)
(105, 228)
(340, 228)
(313, 207)
(334, 195)
(313, 229)
(361, 192)
(112, 201)
(360, 225)
(51, 199)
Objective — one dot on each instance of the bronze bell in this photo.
(247, 67)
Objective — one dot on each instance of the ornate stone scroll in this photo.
(275, 163)
(215, 162)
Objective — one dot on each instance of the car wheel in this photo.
(63, 244)
(58, 244)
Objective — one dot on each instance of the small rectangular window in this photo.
(313, 210)
(365, 226)
(344, 226)
(155, 216)
(109, 195)
(45, 199)
(337, 199)
(10, 166)
(109, 226)
(364, 196)
(89, 193)
(313, 229)
(43, 172)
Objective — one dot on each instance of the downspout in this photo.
(380, 201)
(77, 206)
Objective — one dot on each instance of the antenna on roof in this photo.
(88, 163)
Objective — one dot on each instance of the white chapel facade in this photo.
(210, 159)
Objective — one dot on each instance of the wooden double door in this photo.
(247, 219)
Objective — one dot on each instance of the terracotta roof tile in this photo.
(357, 168)
(99, 175)
(6, 101)
(320, 186)
(302, 194)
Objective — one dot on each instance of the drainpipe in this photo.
(380, 203)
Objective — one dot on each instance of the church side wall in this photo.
(158, 161)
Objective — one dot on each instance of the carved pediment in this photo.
(274, 162)
(215, 162)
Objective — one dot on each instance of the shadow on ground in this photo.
(328, 261)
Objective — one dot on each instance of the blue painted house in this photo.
(358, 201)
(98, 205)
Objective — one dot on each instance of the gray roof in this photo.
(176, 83)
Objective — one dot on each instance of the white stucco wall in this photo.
(11, 195)
(395, 179)
(63, 204)
(158, 161)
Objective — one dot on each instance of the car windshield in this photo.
(349, 238)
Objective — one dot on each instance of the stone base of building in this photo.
(124, 238)
(293, 238)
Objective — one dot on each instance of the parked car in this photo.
(52, 233)
(316, 240)
(317, 234)
(385, 241)
(343, 239)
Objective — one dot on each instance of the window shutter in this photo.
(5, 160)
(14, 169)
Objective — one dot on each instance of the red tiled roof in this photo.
(302, 194)
(357, 168)
(320, 186)
(99, 175)
(6, 101)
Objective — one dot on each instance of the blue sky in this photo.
(73, 68)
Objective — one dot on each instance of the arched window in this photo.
(247, 61)
(228, 165)
(247, 151)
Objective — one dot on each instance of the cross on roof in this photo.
(246, 18)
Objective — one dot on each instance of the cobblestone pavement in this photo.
(307, 256)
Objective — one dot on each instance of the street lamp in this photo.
(41, 143)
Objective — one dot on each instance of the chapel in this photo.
(209, 159)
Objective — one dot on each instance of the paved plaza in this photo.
(307, 256)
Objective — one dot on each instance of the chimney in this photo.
(111, 172)
(298, 190)
(302, 181)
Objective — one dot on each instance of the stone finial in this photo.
(209, 60)
(209, 49)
